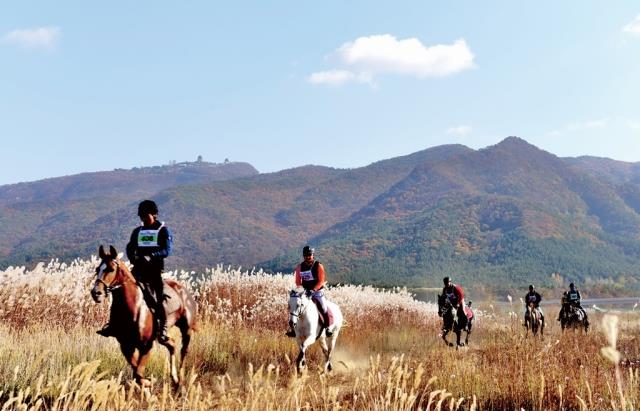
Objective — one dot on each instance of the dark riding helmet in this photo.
(531, 287)
(572, 285)
(147, 207)
(306, 251)
(446, 280)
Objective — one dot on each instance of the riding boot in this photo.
(325, 319)
(290, 332)
(161, 316)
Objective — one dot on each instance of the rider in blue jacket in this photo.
(148, 246)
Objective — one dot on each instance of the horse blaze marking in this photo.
(103, 266)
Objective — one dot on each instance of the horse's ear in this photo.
(101, 252)
(113, 253)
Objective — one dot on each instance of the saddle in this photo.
(321, 318)
(468, 312)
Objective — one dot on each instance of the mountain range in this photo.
(496, 218)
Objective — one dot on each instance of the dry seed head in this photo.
(611, 354)
(610, 326)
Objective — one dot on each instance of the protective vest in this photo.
(532, 298)
(454, 294)
(309, 275)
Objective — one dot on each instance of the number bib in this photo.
(306, 275)
(149, 238)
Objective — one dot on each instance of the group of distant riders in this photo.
(570, 304)
(571, 312)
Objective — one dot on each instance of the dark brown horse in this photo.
(133, 323)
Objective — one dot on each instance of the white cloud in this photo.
(339, 77)
(579, 126)
(460, 131)
(43, 38)
(378, 54)
(386, 54)
(633, 125)
(633, 27)
(585, 125)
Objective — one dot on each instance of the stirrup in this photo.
(105, 331)
(163, 337)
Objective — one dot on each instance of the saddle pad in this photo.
(321, 320)
(468, 312)
(172, 300)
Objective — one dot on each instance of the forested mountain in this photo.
(504, 216)
(57, 217)
(507, 214)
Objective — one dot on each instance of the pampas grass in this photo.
(388, 357)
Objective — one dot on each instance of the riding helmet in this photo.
(307, 251)
(147, 207)
(446, 280)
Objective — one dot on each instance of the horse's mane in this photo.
(125, 270)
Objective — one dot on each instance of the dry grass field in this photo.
(389, 356)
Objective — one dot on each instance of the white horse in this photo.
(304, 317)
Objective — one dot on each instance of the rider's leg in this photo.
(161, 315)
(318, 296)
(108, 330)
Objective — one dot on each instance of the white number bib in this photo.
(149, 238)
(306, 275)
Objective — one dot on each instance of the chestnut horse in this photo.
(133, 322)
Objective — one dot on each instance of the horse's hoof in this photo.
(450, 344)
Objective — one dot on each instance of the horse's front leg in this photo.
(444, 337)
(131, 355)
(301, 361)
(458, 335)
(138, 370)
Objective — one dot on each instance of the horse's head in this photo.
(444, 304)
(108, 274)
(297, 303)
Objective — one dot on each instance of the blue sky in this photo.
(86, 87)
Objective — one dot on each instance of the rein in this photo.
(299, 310)
(108, 288)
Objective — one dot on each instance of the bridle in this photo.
(299, 312)
(108, 288)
